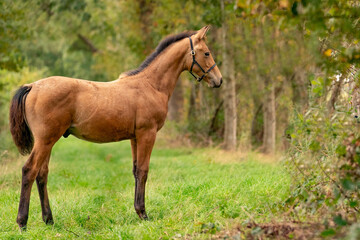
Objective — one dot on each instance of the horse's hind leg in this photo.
(39, 155)
(41, 181)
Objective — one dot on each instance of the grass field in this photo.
(190, 193)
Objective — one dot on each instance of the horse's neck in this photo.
(165, 70)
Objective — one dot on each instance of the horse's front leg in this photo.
(144, 144)
(134, 155)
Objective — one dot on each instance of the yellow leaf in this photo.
(242, 4)
(283, 4)
(328, 52)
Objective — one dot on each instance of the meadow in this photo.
(191, 192)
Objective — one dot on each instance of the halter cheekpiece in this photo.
(195, 62)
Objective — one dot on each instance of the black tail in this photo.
(20, 131)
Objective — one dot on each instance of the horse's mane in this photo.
(159, 49)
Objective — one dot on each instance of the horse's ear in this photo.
(202, 32)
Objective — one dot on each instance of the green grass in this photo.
(189, 192)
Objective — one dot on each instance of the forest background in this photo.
(290, 70)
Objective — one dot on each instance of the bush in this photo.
(324, 158)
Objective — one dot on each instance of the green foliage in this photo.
(324, 143)
(333, 22)
(328, 233)
(323, 156)
(13, 29)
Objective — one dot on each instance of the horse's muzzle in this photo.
(217, 86)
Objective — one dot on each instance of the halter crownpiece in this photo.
(195, 62)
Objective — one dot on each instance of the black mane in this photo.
(159, 49)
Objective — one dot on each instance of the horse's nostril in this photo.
(220, 81)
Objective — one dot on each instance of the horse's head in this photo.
(201, 61)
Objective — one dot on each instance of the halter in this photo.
(195, 62)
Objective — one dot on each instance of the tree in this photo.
(269, 138)
(176, 103)
(229, 89)
(13, 30)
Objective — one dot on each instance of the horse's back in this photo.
(57, 91)
(94, 111)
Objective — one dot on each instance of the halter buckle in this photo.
(192, 52)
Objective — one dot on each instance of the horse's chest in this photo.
(153, 115)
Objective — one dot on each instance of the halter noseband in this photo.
(195, 62)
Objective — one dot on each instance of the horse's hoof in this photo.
(48, 220)
(143, 216)
(22, 222)
(22, 228)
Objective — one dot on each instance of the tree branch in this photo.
(88, 43)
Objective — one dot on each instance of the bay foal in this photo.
(133, 107)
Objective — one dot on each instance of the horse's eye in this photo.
(207, 54)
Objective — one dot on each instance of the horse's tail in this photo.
(19, 128)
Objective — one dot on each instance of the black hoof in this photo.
(48, 219)
(22, 222)
(22, 228)
(145, 217)
(142, 215)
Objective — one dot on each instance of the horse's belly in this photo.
(103, 132)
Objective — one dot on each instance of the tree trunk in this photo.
(257, 127)
(194, 95)
(336, 92)
(269, 120)
(145, 13)
(212, 128)
(176, 103)
(229, 93)
(299, 85)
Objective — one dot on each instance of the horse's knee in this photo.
(141, 174)
(134, 171)
(36, 166)
(41, 177)
(28, 175)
